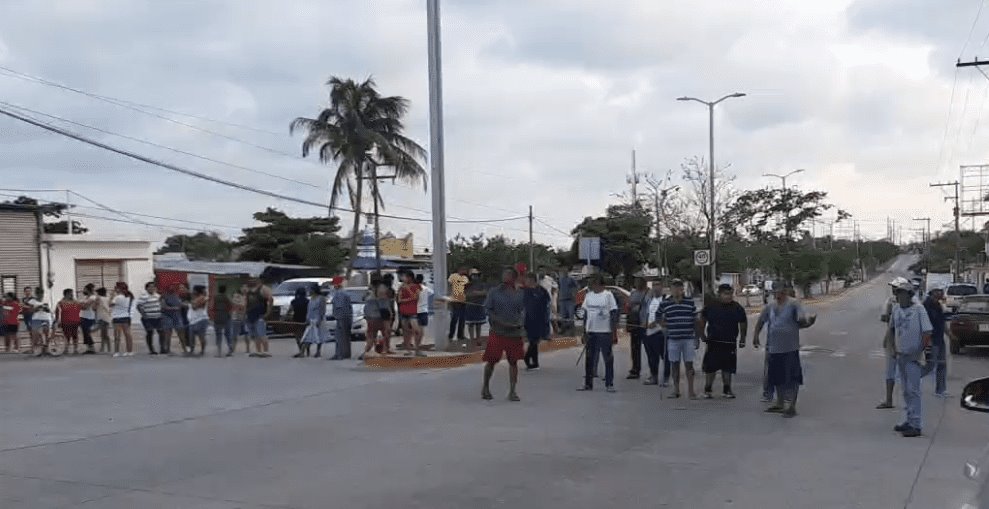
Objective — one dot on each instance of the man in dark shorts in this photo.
(721, 324)
(506, 311)
(636, 329)
(537, 301)
(783, 317)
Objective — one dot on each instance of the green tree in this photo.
(201, 246)
(492, 254)
(776, 215)
(360, 131)
(624, 232)
(293, 240)
(807, 268)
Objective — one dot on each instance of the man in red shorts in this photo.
(506, 315)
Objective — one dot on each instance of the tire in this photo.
(57, 345)
(954, 346)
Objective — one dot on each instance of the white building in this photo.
(73, 261)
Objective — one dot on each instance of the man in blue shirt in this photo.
(937, 361)
(536, 300)
(912, 329)
(678, 315)
(342, 308)
(567, 301)
(784, 317)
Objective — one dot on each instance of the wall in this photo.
(60, 258)
(19, 252)
(396, 247)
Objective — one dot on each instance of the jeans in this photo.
(938, 363)
(910, 373)
(768, 391)
(567, 310)
(599, 342)
(458, 315)
(656, 349)
(87, 331)
(224, 331)
(637, 335)
(531, 358)
(152, 325)
(342, 336)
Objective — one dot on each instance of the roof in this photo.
(89, 237)
(253, 269)
(13, 207)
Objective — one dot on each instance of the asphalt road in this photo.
(247, 433)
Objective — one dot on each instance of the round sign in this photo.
(702, 257)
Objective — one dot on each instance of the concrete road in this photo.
(248, 433)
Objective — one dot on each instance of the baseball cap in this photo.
(898, 281)
(724, 287)
(904, 285)
(676, 282)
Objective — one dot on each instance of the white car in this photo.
(954, 293)
(358, 331)
(751, 291)
(283, 294)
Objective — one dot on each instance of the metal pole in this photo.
(377, 223)
(436, 165)
(714, 244)
(532, 247)
(68, 210)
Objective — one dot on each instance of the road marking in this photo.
(838, 354)
(839, 333)
(877, 354)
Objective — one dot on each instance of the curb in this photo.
(455, 360)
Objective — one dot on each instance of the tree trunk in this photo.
(377, 223)
(354, 236)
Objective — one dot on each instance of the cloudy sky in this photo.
(545, 99)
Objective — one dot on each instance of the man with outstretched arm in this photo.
(784, 317)
(505, 305)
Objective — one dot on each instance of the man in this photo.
(537, 301)
(222, 319)
(552, 288)
(784, 317)
(891, 370)
(655, 340)
(342, 308)
(938, 360)
(458, 298)
(27, 311)
(149, 305)
(88, 317)
(635, 326)
(679, 316)
(425, 300)
(601, 326)
(911, 335)
(722, 323)
(505, 307)
(259, 302)
(171, 306)
(566, 300)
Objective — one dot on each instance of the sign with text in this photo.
(702, 257)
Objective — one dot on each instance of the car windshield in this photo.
(975, 306)
(962, 290)
(289, 287)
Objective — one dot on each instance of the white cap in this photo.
(900, 281)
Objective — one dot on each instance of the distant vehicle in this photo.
(283, 293)
(939, 280)
(975, 398)
(955, 292)
(969, 326)
(751, 291)
(358, 331)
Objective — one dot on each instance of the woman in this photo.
(386, 303)
(198, 316)
(372, 314)
(300, 311)
(11, 312)
(67, 315)
(189, 343)
(120, 310)
(315, 318)
(238, 311)
(102, 306)
(87, 317)
(476, 316)
(41, 317)
(408, 310)
(171, 319)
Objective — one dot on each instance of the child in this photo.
(198, 320)
(315, 316)
(11, 312)
(68, 316)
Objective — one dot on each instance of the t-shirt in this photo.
(506, 311)
(723, 321)
(568, 288)
(197, 315)
(409, 293)
(221, 309)
(342, 305)
(680, 318)
(372, 309)
(26, 308)
(783, 325)
(11, 312)
(636, 301)
(910, 325)
(425, 295)
(121, 306)
(935, 311)
(149, 305)
(597, 311)
(172, 300)
(653, 310)
(40, 310)
(88, 313)
(458, 283)
(103, 308)
(317, 309)
(536, 313)
(69, 311)
(257, 304)
(300, 308)
(238, 305)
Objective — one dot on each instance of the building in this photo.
(175, 268)
(20, 257)
(73, 261)
(393, 247)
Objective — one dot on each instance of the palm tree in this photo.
(361, 131)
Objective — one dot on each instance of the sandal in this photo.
(486, 395)
(884, 406)
(775, 409)
(675, 395)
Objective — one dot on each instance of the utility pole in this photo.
(436, 162)
(634, 180)
(927, 242)
(532, 247)
(68, 210)
(958, 233)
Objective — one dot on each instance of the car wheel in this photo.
(954, 347)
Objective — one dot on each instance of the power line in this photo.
(153, 144)
(544, 223)
(947, 121)
(975, 22)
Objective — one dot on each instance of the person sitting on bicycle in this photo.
(41, 318)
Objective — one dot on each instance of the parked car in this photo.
(751, 291)
(284, 292)
(955, 292)
(358, 331)
(970, 323)
(975, 397)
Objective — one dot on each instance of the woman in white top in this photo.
(88, 317)
(120, 310)
(41, 319)
(198, 320)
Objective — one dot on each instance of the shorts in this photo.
(121, 321)
(784, 369)
(410, 319)
(512, 347)
(199, 328)
(9, 329)
(151, 324)
(70, 330)
(374, 326)
(720, 356)
(170, 323)
(38, 325)
(423, 319)
(257, 329)
(681, 350)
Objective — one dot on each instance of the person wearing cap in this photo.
(912, 329)
(938, 360)
(637, 301)
(342, 309)
(783, 318)
(601, 325)
(678, 315)
(722, 323)
(891, 370)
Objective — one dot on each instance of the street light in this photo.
(438, 180)
(710, 118)
(786, 226)
(784, 177)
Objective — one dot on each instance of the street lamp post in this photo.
(783, 178)
(710, 130)
(436, 163)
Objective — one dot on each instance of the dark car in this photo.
(969, 326)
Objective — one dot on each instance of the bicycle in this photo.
(53, 344)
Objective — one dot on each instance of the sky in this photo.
(544, 102)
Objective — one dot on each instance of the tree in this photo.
(624, 233)
(776, 215)
(52, 211)
(360, 131)
(201, 246)
(838, 264)
(296, 241)
(695, 174)
(492, 254)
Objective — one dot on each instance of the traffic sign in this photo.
(589, 248)
(702, 257)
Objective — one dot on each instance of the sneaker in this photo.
(790, 413)
(532, 368)
(651, 381)
(610, 388)
(775, 409)
(129, 354)
(89, 352)
(514, 397)
(585, 388)
(152, 352)
(632, 376)
(900, 428)
(728, 395)
(117, 354)
(666, 383)
(708, 395)
(912, 432)
(765, 399)
(942, 395)
(421, 354)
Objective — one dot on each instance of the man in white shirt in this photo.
(425, 298)
(601, 326)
